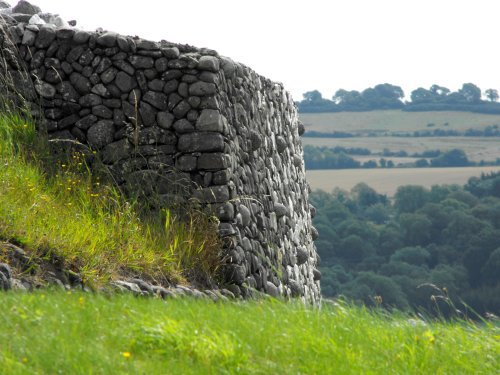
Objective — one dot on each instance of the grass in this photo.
(55, 207)
(74, 333)
(386, 181)
(396, 121)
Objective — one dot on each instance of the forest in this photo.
(387, 96)
(339, 158)
(434, 249)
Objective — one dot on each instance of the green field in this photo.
(75, 333)
(386, 181)
(476, 148)
(381, 122)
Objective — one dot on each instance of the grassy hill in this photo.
(396, 121)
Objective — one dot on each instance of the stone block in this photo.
(210, 120)
(201, 142)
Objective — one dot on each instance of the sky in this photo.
(320, 45)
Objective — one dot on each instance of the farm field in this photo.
(396, 121)
(386, 181)
(476, 148)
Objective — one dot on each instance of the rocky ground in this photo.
(21, 272)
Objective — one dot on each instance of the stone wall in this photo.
(177, 122)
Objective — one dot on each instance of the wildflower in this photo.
(81, 300)
(126, 355)
(430, 336)
(25, 360)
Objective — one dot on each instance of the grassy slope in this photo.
(81, 334)
(97, 233)
(396, 121)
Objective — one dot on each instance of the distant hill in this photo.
(399, 122)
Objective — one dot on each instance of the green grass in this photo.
(396, 121)
(74, 333)
(55, 206)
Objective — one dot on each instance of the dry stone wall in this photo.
(177, 122)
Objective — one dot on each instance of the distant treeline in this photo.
(387, 96)
(339, 158)
(488, 131)
(429, 249)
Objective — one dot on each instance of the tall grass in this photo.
(81, 334)
(57, 207)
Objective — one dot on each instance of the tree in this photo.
(313, 96)
(344, 97)
(451, 158)
(470, 92)
(410, 198)
(492, 95)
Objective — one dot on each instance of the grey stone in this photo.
(101, 134)
(156, 99)
(312, 211)
(170, 53)
(202, 89)
(103, 65)
(236, 274)
(156, 85)
(4, 5)
(124, 66)
(316, 274)
(67, 92)
(210, 120)
(80, 83)
(212, 161)
(210, 63)
(25, 7)
(246, 216)
(225, 212)
(65, 33)
(45, 90)
(181, 109)
(201, 142)
(101, 90)
(280, 210)
(86, 122)
(256, 140)
(125, 82)
(141, 62)
(281, 144)
(183, 126)
(102, 111)
(296, 288)
(214, 194)
(5, 283)
(90, 100)
(272, 290)
(302, 255)
(29, 38)
(81, 37)
(124, 285)
(186, 163)
(161, 65)
(45, 36)
(5, 270)
(314, 233)
(148, 114)
(109, 75)
(165, 120)
(107, 39)
(68, 121)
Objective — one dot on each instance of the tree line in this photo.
(388, 96)
(340, 158)
(425, 249)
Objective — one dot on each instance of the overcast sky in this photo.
(320, 44)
